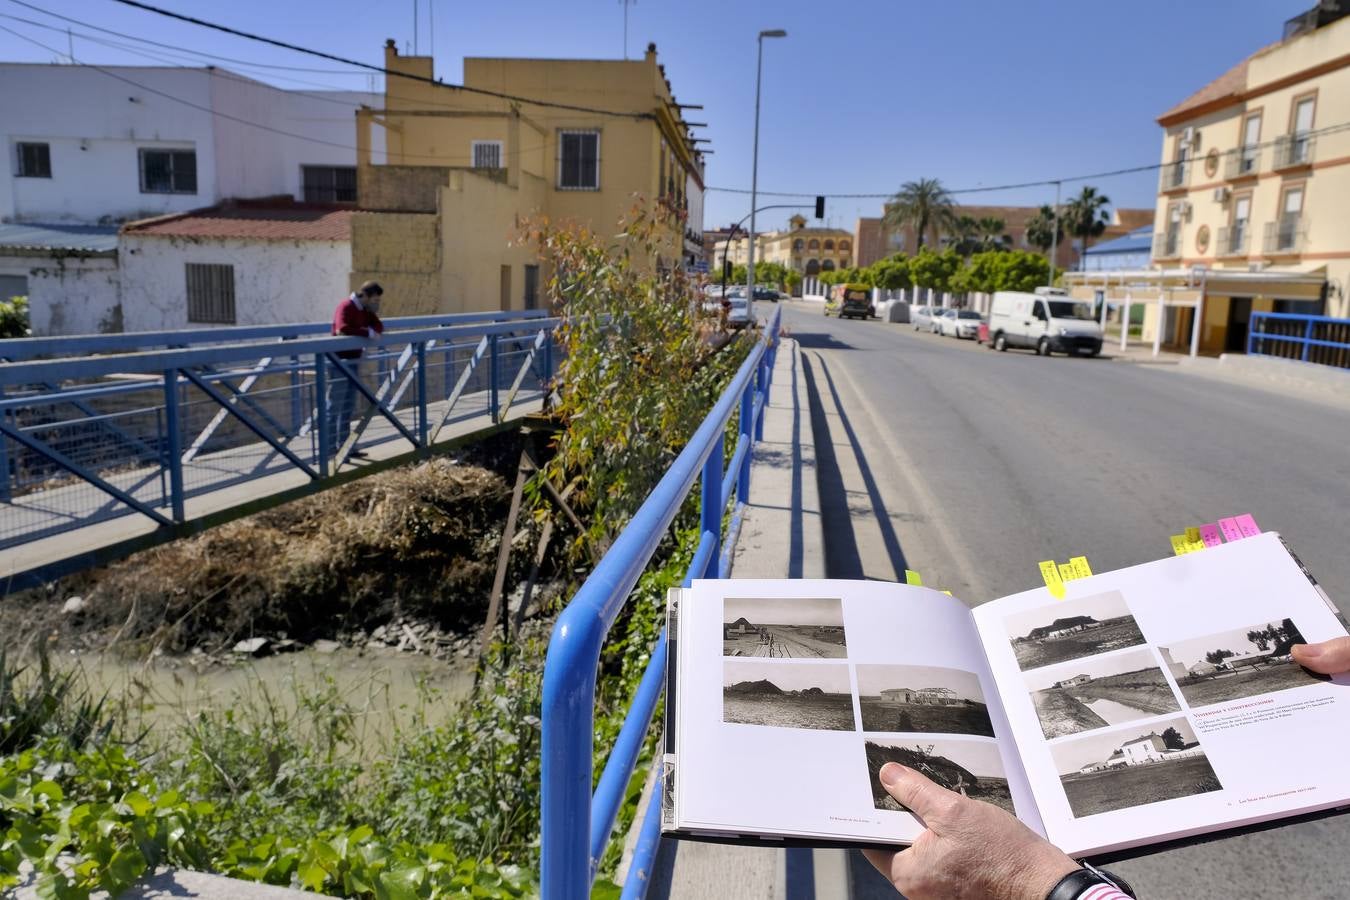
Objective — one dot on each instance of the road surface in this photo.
(970, 466)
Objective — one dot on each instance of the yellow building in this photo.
(437, 220)
(809, 251)
(1252, 194)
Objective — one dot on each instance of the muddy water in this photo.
(383, 688)
(1114, 713)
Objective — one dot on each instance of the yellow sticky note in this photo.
(1179, 544)
(1050, 572)
(912, 577)
(1081, 569)
(948, 593)
(1065, 572)
(1193, 535)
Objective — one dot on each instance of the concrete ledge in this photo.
(1293, 372)
(180, 883)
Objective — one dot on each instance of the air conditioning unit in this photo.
(1185, 208)
(1221, 195)
(1188, 135)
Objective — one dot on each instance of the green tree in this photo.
(934, 270)
(891, 273)
(14, 317)
(1086, 217)
(1042, 229)
(979, 274)
(993, 233)
(965, 234)
(1018, 270)
(920, 205)
(1214, 657)
(1173, 740)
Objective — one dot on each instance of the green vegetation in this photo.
(1085, 217)
(920, 205)
(14, 317)
(291, 789)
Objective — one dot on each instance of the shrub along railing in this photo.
(1314, 339)
(577, 825)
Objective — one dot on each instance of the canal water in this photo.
(1114, 713)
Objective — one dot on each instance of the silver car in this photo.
(959, 323)
(923, 317)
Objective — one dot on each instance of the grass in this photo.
(1099, 792)
(1111, 635)
(878, 715)
(1265, 680)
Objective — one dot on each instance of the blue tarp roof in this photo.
(31, 235)
(1141, 239)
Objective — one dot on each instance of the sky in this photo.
(857, 99)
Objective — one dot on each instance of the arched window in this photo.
(827, 266)
(813, 267)
(798, 244)
(829, 244)
(813, 244)
(844, 245)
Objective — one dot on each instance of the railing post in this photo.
(747, 429)
(297, 408)
(6, 478)
(548, 359)
(173, 444)
(1251, 333)
(1307, 337)
(493, 372)
(420, 348)
(321, 412)
(712, 501)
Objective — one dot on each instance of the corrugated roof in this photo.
(40, 237)
(1229, 84)
(1137, 240)
(264, 223)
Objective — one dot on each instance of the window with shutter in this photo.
(35, 160)
(579, 160)
(487, 154)
(168, 171)
(210, 293)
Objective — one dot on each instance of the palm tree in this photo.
(965, 232)
(1041, 230)
(921, 205)
(1087, 218)
(993, 232)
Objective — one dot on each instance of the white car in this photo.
(921, 317)
(738, 311)
(959, 323)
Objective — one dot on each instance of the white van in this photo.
(1045, 321)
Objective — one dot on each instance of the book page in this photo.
(1160, 701)
(792, 695)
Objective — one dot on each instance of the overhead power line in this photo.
(549, 104)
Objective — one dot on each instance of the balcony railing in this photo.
(1244, 162)
(1286, 235)
(1293, 150)
(1167, 244)
(1174, 176)
(1234, 240)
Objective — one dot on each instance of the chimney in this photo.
(651, 52)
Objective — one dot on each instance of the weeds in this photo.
(41, 704)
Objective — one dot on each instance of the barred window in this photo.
(210, 293)
(35, 160)
(487, 154)
(168, 171)
(329, 184)
(579, 160)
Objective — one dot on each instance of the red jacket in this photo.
(349, 318)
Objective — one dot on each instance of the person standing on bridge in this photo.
(355, 316)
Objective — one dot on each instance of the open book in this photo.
(1150, 704)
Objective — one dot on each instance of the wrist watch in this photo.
(1077, 882)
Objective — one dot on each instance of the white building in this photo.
(106, 145)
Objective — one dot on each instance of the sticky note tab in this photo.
(1050, 572)
(1209, 535)
(1230, 529)
(1247, 525)
(1065, 572)
(1179, 545)
(912, 577)
(948, 593)
(1081, 569)
(1193, 535)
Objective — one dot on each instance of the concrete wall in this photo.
(73, 295)
(403, 252)
(480, 221)
(275, 282)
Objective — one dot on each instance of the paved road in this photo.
(969, 466)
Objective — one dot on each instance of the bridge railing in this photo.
(87, 439)
(1315, 339)
(576, 824)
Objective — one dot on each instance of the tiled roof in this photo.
(40, 237)
(293, 222)
(1230, 84)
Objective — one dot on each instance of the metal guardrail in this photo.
(577, 825)
(88, 438)
(1314, 339)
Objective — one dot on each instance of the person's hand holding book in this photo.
(1329, 657)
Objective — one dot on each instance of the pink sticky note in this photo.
(1209, 534)
(1230, 529)
(1247, 525)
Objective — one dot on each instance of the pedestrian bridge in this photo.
(109, 443)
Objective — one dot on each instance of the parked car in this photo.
(921, 317)
(1046, 321)
(738, 310)
(959, 323)
(769, 294)
(850, 301)
(784, 295)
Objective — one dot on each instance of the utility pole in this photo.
(414, 27)
(625, 4)
(1054, 238)
(754, 173)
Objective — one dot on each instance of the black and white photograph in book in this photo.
(787, 695)
(922, 699)
(1240, 662)
(1072, 629)
(971, 768)
(1132, 767)
(805, 628)
(1099, 691)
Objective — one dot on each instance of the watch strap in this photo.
(1080, 884)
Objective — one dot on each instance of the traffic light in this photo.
(820, 207)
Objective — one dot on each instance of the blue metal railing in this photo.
(576, 826)
(1315, 339)
(85, 438)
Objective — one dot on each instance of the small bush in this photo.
(14, 317)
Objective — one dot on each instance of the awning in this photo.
(1303, 281)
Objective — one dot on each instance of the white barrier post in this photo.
(1125, 321)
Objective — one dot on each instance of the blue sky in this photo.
(860, 97)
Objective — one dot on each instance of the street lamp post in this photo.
(754, 172)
